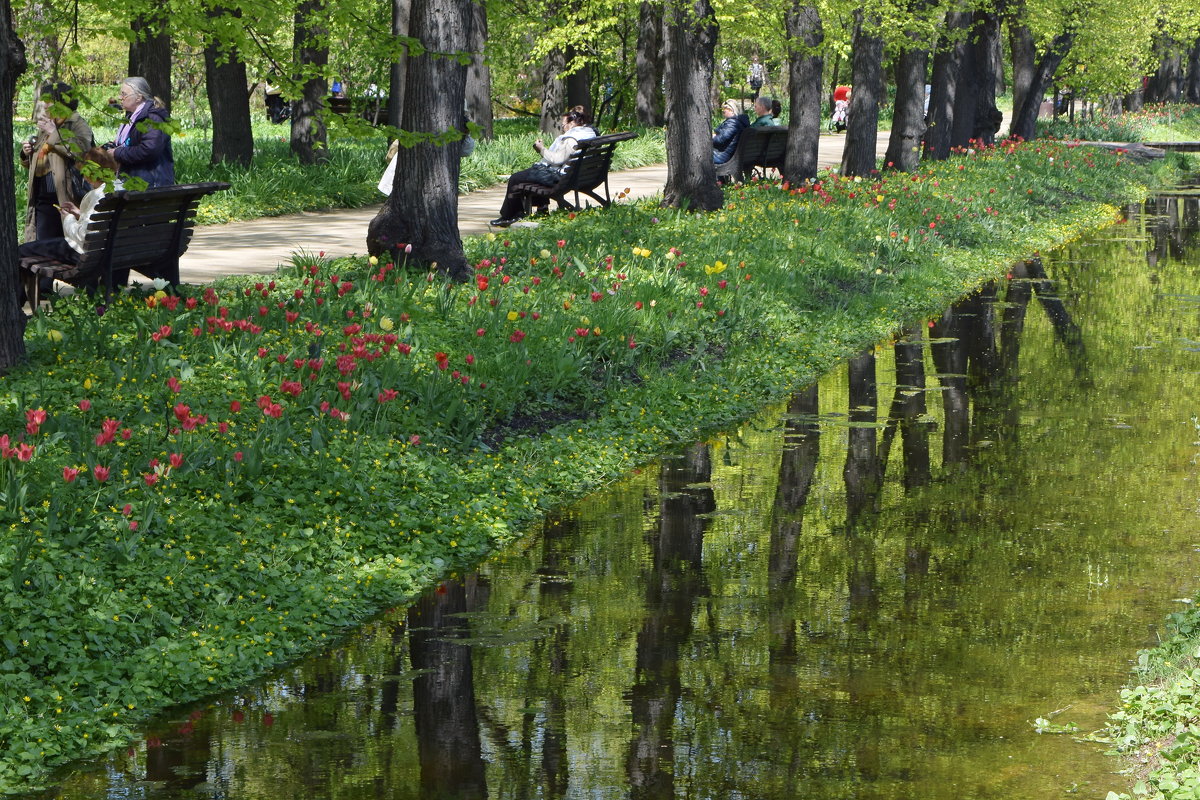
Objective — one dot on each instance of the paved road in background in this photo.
(258, 246)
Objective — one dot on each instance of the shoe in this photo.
(502, 222)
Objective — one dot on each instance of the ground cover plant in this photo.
(1155, 727)
(276, 183)
(198, 486)
(1154, 123)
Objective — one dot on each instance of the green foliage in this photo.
(1152, 123)
(183, 474)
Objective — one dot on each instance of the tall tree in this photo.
(401, 10)
(228, 97)
(1192, 91)
(150, 51)
(650, 64)
(422, 210)
(554, 91)
(947, 59)
(1024, 124)
(479, 74)
(805, 34)
(12, 318)
(1021, 47)
(976, 118)
(908, 117)
(311, 55)
(691, 38)
(862, 130)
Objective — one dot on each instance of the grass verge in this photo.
(198, 487)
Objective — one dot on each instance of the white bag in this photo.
(389, 177)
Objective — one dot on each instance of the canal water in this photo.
(873, 591)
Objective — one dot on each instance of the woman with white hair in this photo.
(143, 143)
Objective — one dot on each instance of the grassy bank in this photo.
(198, 488)
(1155, 728)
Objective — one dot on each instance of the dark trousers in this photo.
(55, 248)
(513, 206)
(46, 218)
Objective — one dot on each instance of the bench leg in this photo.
(30, 282)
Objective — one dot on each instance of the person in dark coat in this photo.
(142, 146)
(725, 137)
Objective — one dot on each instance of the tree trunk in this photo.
(862, 129)
(42, 52)
(944, 84)
(150, 55)
(1024, 124)
(311, 48)
(422, 209)
(1192, 89)
(401, 9)
(225, 78)
(579, 84)
(1166, 85)
(12, 318)
(805, 34)
(979, 95)
(908, 118)
(554, 92)
(1020, 41)
(650, 65)
(479, 74)
(691, 38)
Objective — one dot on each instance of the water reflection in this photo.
(801, 609)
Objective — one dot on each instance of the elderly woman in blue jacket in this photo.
(142, 146)
(725, 137)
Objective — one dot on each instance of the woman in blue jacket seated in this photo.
(725, 137)
(143, 147)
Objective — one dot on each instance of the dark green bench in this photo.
(758, 149)
(146, 231)
(586, 172)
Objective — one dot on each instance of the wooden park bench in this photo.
(146, 231)
(759, 149)
(586, 172)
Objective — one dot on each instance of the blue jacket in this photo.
(146, 152)
(725, 137)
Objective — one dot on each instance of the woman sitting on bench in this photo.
(577, 126)
(68, 248)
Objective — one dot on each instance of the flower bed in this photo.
(200, 487)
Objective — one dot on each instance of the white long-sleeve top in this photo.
(560, 150)
(75, 230)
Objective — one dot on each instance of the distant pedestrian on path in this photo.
(754, 76)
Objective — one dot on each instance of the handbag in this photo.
(544, 174)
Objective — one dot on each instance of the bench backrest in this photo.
(143, 229)
(761, 147)
(588, 166)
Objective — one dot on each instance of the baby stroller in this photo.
(841, 109)
(841, 113)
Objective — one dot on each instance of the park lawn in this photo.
(199, 487)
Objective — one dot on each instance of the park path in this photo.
(258, 246)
